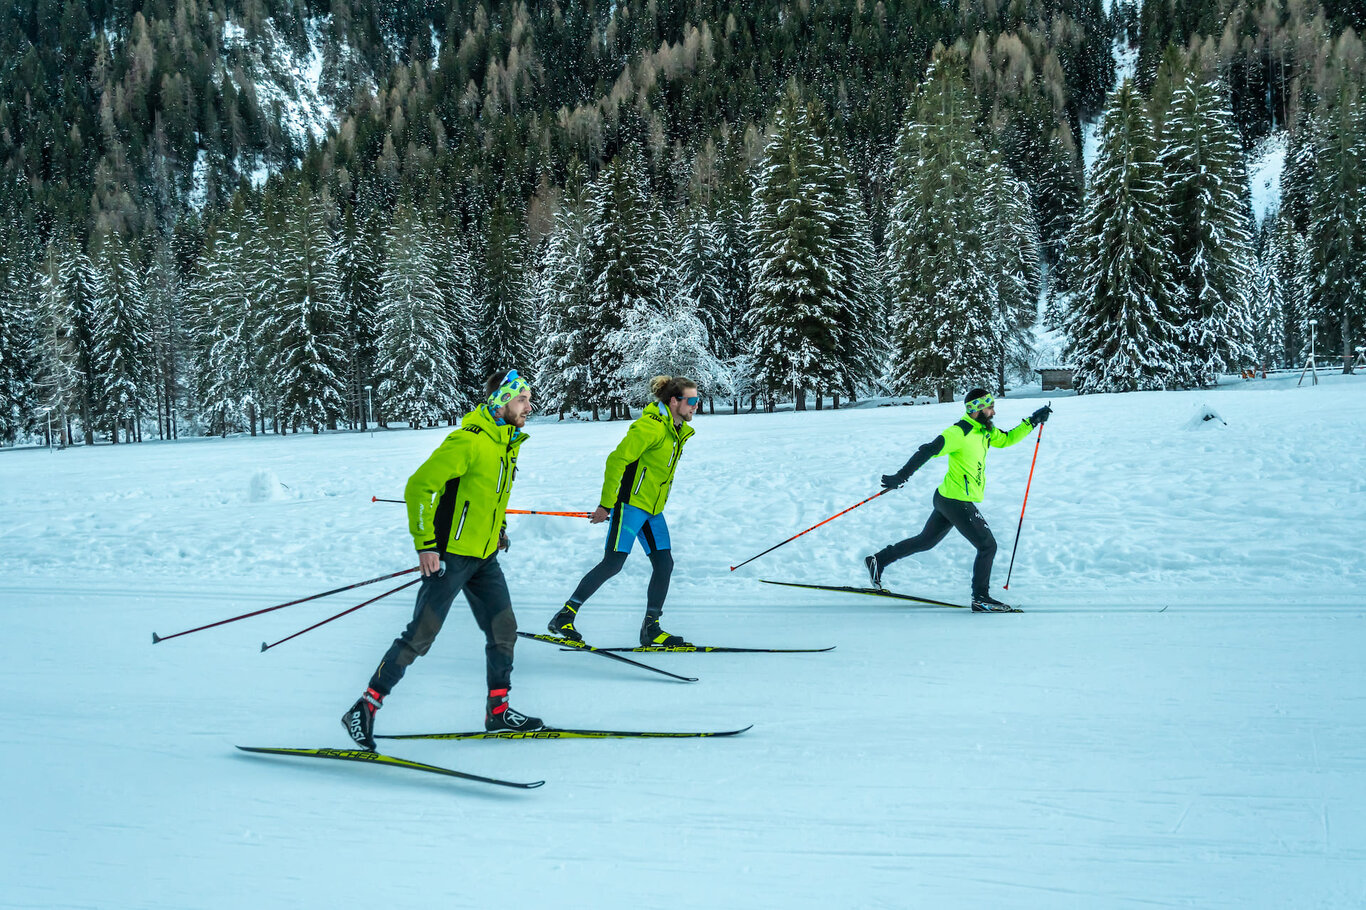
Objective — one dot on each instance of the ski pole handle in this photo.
(812, 528)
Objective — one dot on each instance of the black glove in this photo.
(503, 542)
(892, 481)
(1039, 416)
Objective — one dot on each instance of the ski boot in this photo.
(360, 720)
(874, 572)
(651, 635)
(498, 717)
(563, 623)
(988, 604)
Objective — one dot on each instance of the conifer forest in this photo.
(275, 216)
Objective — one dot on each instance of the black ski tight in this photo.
(662, 567)
(951, 513)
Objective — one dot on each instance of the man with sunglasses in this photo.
(966, 444)
(639, 474)
(457, 501)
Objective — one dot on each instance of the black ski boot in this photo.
(988, 604)
(498, 717)
(563, 623)
(652, 635)
(360, 720)
(874, 572)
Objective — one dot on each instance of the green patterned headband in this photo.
(980, 404)
(513, 385)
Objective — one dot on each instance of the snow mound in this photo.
(265, 487)
(1204, 418)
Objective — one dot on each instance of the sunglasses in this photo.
(691, 401)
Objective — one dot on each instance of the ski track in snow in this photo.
(1093, 752)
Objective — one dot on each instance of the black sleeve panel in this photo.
(922, 455)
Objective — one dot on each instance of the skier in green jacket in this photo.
(966, 444)
(456, 514)
(635, 488)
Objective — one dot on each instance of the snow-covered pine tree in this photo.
(421, 379)
(356, 257)
(304, 324)
(796, 303)
(1014, 253)
(455, 280)
(226, 322)
(562, 367)
(1122, 330)
(1211, 224)
(1290, 262)
(18, 345)
(1268, 310)
(943, 311)
(625, 269)
(669, 341)
(123, 341)
(1336, 228)
(505, 304)
(698, 266)
(67, 380)
(165, 313)
(859, 340)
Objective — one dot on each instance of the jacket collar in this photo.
(482, 418)
(681, 430)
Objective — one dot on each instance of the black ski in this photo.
(581, 646)
(555, 733)
(879, 592)
(714, 649)
(360, 755)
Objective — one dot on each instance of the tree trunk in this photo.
(1346, 344)
(801, 400)
(834, 401)
(945, 394)
(820, 400)
(595, 412)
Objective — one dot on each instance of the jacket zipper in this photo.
(639, 480)
(460, 527)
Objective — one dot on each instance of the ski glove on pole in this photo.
(1041, 415)
(893, 481)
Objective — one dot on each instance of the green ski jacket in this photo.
(966, 444)
(640, 470)
(457, 499)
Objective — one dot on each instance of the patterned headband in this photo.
(980, 404)
(513, 385)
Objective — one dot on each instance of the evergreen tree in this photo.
(356, 254)
(123, 342)
(625, 268)
(1014, 256)
(421, 382)
(1211, 222)
(166, 315)
(67, 379)
(859, 342)
(1268, 313)
(944, 324)
(506, 307)
(795, 317)
(17, 344)
(227, 319)
(1122, 330)
(304, 323)
(562, 292)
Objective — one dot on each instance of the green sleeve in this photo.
(638, 438)
(450, 460)
(953, 440)
(1001, 438)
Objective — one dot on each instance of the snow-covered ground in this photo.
(1178, 720)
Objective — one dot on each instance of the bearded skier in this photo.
(457, 501)
(966, 444)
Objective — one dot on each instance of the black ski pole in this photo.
(369, 581)
(406, 584)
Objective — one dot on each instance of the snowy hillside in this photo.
(1176, 720)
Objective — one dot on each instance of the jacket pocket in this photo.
(639, 480)
(464, 512)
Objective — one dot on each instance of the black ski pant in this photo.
(951, 513)
(661, 570)
(487, 592)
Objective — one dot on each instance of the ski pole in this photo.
(369, 581)
(1038, 440)
(512, 511)
(813, 527)
(406, 584)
